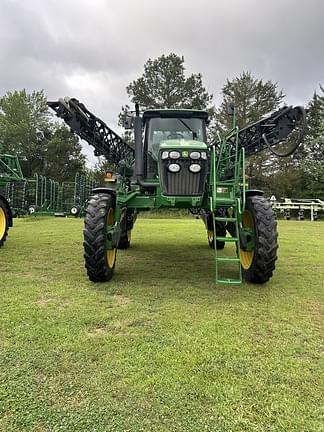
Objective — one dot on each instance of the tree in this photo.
(165, 85)
(24, 126)
(253, 98)
(43, 146)
(312, 162)
(63, 155)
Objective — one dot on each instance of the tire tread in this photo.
(95, 238)
(266, 240)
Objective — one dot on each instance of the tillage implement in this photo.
(10, 171)
(171, 165)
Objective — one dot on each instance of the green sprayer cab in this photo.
(171, 165)
(10, 171)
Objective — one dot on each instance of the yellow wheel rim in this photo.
(111, 253)
(247, 256)
(111, 256)
(3, 223)
(210, 235)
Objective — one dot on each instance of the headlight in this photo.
(174, 168)
(174, 155)
(194, 168)
(194, 155)
(203, 155)
(165, 155)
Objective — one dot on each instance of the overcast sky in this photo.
(91, 49)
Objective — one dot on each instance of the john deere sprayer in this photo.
(173, 166)
(10, 171)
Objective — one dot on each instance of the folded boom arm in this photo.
(93, 130)
(272, 130)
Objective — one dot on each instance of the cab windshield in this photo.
(165, 129)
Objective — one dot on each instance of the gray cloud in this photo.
(92, 49)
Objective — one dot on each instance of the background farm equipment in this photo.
(75, 195)
(43, 196)
(10, 171)
(299, 208)
(174, 167)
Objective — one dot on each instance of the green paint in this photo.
(224, 160)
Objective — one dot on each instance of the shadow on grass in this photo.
(173, 269)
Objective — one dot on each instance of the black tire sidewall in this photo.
(6, 214)
(265, 250)
(95, 231)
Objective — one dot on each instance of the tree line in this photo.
(43, 146)
(47, 147)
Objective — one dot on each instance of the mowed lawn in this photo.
(160, 347)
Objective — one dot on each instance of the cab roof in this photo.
(175, 113)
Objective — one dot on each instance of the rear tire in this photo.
(221, 232)
(127, 226)
(207, 217)
(99, 262)
(4, 222)
(125, 239)
(259, 264)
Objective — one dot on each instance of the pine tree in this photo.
(253, 98)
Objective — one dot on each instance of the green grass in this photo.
(161, 347)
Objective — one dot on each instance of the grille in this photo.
(183, 182)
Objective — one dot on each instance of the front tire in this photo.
(4, 222)
(258, 262)
(100, 217)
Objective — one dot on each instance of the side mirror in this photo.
(230, 108)
(128, 122)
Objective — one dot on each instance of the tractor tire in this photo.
(126, 234)
(4, 222)
(258, 264)
(99, 262)
(221, 232)
(125, 239)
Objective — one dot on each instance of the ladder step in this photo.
(225, 219)
(227, 281)
(228, 259)
(225, 184)
(225, 202)
(227, 239)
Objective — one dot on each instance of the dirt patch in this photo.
(44, 301)
(316, 311)
(105, 329)
(139, 323)
(100, 330)
(64, 304)
(119, 328)
(121, 300)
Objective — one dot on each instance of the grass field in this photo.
(161, 347)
